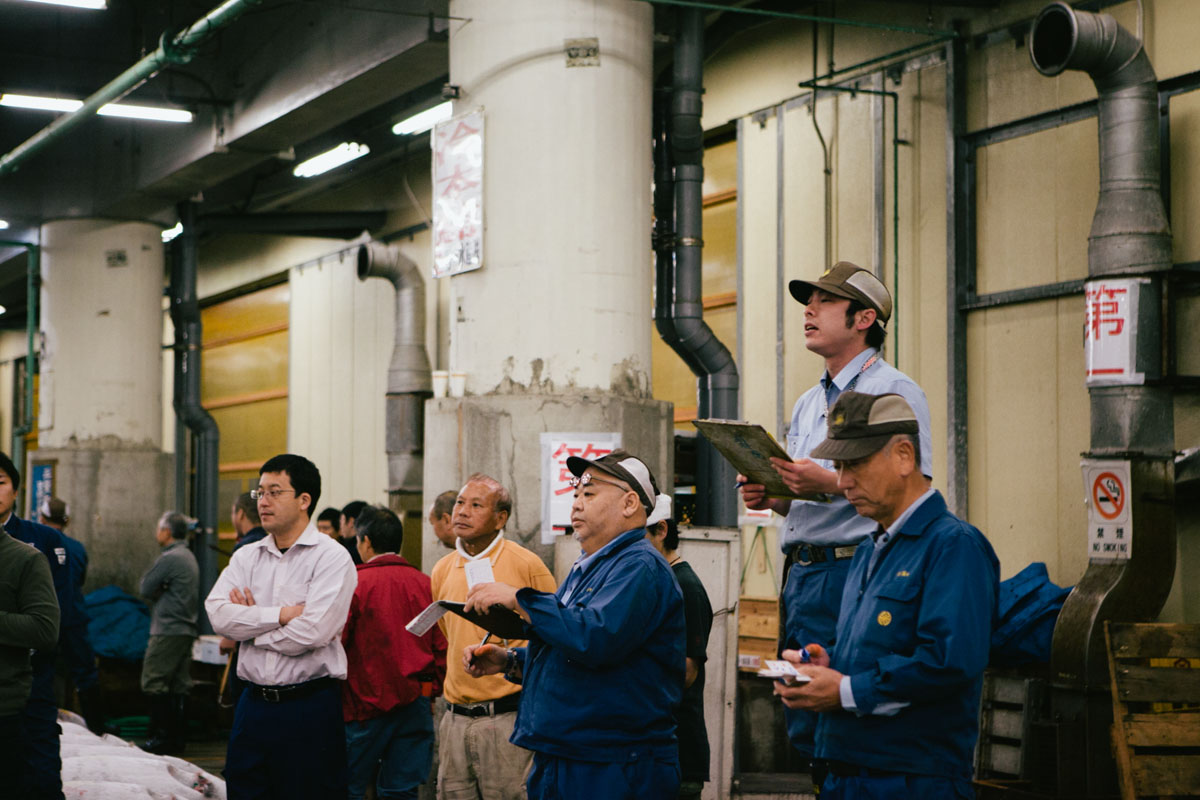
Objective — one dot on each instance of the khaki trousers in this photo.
(477, 762)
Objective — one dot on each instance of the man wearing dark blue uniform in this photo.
(43, 778)
(605, 663)
(898, 694)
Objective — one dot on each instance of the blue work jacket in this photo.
(915, 633)
(603, 672)
(52, 545)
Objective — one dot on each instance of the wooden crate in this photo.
(758, 631)
(1156, 708)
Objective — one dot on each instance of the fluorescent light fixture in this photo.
(145, 112)
(61, 104)
(419, 123)
(3, 224)
(171, 233)
(94, 4)
(3, 309)
(39, 103)
(330, 159)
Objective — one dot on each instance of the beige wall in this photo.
(1027, 403)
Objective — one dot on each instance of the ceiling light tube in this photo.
(3, 224)
(92, 4)
(423, 121)
(330, 159)
(145, 112)
(172, 232)
(64, 104)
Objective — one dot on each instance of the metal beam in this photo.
(959, 212)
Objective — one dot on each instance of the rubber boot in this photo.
(161, 710)
(177, 723)
(91, 704)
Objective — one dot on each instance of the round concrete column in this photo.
(563, 300)
(101, 316)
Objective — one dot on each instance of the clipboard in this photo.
(500, 622)
(748, 447)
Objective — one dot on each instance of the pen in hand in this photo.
(486, 637)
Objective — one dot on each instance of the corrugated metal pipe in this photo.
(679, 306)
(1130, 237)
(185, 315)
(409, 380)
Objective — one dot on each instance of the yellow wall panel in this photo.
(245, 368)
(261, 310)
(252, 432)
(1185, 175)
(1035, 199)
(720, 250)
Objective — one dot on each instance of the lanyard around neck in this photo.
(853, 381)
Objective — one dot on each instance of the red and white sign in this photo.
(458, 194)
(1110, 331)
(1110, 528)
(557, 492)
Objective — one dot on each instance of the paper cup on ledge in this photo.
(441, 380)
(458, 384)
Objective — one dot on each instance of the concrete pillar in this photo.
(564, 296)
(100, 389)
(554, 330)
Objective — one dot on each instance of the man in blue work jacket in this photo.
(898, 695)
(605, 663)
(43, 773)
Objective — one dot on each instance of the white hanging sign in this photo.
(1110, 331)
(1110, 518)
(557, 493)
(458, 194)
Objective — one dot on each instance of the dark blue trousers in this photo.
(555, 778)
(896, 786)
(294, 750)
(812, 598)
(41, 734)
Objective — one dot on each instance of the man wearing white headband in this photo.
(605, 663)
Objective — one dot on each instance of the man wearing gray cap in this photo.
(898, 694)
(605, 663)
(845, 317)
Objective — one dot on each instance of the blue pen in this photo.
(805, 656)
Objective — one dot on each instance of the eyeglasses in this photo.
(583, 480)
(259, 494)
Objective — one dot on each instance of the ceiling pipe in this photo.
(178, 49)
(690, 336)
(410, 381)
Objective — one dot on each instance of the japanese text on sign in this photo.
(1110, 520)
(557, 493)
(458, 195)
(1110, 331)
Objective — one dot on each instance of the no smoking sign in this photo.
(1110, 532)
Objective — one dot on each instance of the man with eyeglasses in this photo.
(286, 599)
(476, 761)
(898, 694)
(605, 663)
(846, 312)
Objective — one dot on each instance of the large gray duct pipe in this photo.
(679, 306)
(409, 380)
(1130, 238)
(185, 316)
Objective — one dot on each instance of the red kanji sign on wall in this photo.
(1110, 331)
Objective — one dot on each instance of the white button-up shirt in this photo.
(316, 571)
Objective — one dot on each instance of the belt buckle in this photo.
(796, 559)
(271, 694)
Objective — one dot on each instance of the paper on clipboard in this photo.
(749, 448)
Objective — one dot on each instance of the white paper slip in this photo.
(782, 669)
(421, 623)
(479, 572)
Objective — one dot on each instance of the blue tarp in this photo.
(1027, 610)
(120, 625)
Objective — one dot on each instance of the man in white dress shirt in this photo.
(286, 598)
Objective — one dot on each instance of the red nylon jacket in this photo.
(386, 666)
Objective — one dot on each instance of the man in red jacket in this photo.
(391, 675)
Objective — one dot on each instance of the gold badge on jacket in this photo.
(884, 618)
